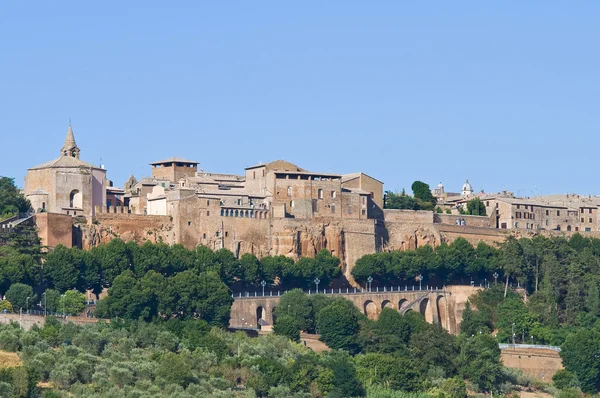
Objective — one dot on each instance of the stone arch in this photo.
(260, 316)
(370, 309)
(236, 213)
(387, 304)
(402, 304)
(442, 312)
(246, 214)
(568, 227)
(75, 199)
(425, 309)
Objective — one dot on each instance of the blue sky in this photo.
(505, 93)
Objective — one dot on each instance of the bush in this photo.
(5, 306)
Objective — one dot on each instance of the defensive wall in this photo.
(540, 362)
(436, 305)
(55, 229)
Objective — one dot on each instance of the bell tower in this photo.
(70, 147)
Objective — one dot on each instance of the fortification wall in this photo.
(470, 221)
(539, 363)
(55, 229)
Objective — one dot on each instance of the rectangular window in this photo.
(547, 212)
(525, 207)
(503, 225)
(590, 220)
(189, 223)
(203, 236)
(364, 212)
(547, 222)
(207, 213)
(518, 214)
(590, 211)
(588, 230)
(518, 206)
(581, 219)
(332, 194)
(226, 234)
(558, 212)
(320, 193)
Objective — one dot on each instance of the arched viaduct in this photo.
(437, 306)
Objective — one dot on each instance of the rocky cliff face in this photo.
(127, 227)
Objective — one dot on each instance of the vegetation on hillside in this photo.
(422, 198)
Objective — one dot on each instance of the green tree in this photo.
(19, 295)
(62, 268)
(581, 356)
(475, 207)
(72, 302)
(338, 325)
(394, 200)
(287, 326)
(296, 305)
(423, 195)
(479, 361)
(474, 322)
(12, 200)
(393, 372)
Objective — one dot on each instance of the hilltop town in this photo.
(276, 208)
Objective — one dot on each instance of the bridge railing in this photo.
(529, 346)
(345, 291)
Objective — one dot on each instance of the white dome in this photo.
(440, 186)
(467, 187)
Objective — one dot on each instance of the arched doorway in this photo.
(260, 317)
(75, 200)
(370, 309)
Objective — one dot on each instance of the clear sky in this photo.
(505, 94)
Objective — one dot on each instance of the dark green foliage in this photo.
(479, 361)
(475, 207)
(287, 326)
(394, 372)
(581, 356)
(394, 200)
(474, 322)
(12, 200)
(564, 379)
(19, 295)
(338, 326)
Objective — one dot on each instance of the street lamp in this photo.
(513, 332)
(485, 283)
(263, 284)
(27, 305)
(495, 277)
(317, 281)
(370, 280)
(420, 278)
(531, 340)
(45, 302)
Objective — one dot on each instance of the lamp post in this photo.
(27, 305)
(370, 280)
(420, 278)
(531, 340)
(263, 284)
(317, 281)
(485, 283)
(45, 302)
(513, 332)
(495, 277)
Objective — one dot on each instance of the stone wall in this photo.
(55, 229)
(471, 221)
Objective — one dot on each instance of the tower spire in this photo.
(70, 146)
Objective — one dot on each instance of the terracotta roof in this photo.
(278, 165)
(64, 161)
(175, 159)
(352, 176)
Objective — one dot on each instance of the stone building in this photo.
(67, 184)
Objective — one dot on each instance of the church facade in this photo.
(66, 185)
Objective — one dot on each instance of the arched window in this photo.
(568, 227)
(332, 209)
(75, 199)
(236, 213)
(558, 227)
(292, 204)
(289, 191)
